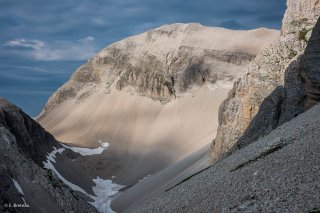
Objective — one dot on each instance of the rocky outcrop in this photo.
(25, 185)
(30, 137)
(166, 62)
(282, 82)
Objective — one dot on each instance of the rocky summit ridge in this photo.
(165, 62)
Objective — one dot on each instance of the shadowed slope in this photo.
(278, 173)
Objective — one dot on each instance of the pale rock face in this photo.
(300, 15)
(282, 82)
(166, 62)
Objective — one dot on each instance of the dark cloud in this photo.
(49, 34)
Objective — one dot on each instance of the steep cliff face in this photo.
(25, 185)
(282, 82)
(166, 62)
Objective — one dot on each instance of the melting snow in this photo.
(144, 178)
(48, 165)
(88, 151)
(104, 190)
(18, 187)
(24, 202)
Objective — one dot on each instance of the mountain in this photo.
(24, 147)
(137, 120)
(265, 155)
(281, 83)
(153, 97)
(166, 62)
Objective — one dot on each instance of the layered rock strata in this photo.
(166, 62)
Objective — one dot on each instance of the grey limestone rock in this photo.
(281, 83)
(166, 62)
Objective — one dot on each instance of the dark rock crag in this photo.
(24, 145)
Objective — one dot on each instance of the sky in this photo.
(42, 42)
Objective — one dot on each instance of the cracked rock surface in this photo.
(281, 83)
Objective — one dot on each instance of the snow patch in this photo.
(52, 155)
(105, 191)
(48, 165)
(18, 187)
(105, 145)
(24, 202)
(88, 151)
(144, 178)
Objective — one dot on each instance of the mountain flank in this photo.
(153, 97)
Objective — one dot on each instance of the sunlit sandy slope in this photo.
(144, 135)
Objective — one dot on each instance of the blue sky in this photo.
(42, 42)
